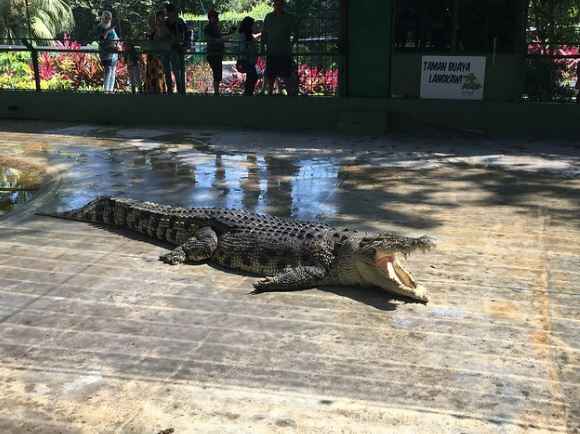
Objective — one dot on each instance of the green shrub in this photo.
(57, 82)
(16, 83)
(15, 71)
(258, 12)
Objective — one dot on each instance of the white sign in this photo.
(452, 77)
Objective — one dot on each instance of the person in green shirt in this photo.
(278, 37)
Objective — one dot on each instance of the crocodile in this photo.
(289, 254)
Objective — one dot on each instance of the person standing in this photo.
(248, 54)
(215, 48)
(107, 39)
(174, 58)
(154, 74)
(133, 61)
(278, 36)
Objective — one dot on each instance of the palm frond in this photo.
(48, 18)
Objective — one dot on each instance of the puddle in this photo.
(193, 174)
(16, 187)
(369, 185)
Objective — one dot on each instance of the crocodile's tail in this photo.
(100, 210)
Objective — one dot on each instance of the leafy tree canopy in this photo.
(47, 18)
(555, 21)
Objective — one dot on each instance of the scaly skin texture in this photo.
(291, 254)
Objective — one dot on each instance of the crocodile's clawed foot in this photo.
(262, 286)
(173, 258)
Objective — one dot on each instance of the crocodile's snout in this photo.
(382, 264)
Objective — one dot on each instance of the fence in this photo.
(551, 78)
(551, 72)
(65, 65)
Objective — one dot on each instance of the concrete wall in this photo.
(370, 116)
(376, 70)
(280, 113)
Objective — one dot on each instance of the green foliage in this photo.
(130, 17)
(258, 11)
(57, 83)
(48, 18)
(236, 10)
(14, 82)
(15, 71)
(14, 63)
(555, 20)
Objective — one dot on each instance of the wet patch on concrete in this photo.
(19, 180)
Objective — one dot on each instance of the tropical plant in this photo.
(15, 71)
(39, 19)
(553, 43)
(81, 70)
(551, 71)
(313, 80)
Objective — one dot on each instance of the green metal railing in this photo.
(551, 77)
(48, 65)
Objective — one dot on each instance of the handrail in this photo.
(190, 51)
(553, 56)
(317, 78)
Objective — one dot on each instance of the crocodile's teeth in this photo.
(393, 273)
(399, 275)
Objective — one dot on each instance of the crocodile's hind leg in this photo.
(292, 279)
(198, 248)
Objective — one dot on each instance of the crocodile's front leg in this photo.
(198, 248)
(292, 279)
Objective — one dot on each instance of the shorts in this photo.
(215, 63)
(279, 66)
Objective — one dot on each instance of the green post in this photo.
(35, 64)
(343, 50)
(369, 48)
(36, 69)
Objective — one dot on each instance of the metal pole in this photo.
(36, 68)
(455, 27)
(344, 50)
(35, 65)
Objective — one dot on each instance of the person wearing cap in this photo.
(215, 48)
(278, 37)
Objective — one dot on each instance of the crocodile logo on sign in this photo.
(471, 82)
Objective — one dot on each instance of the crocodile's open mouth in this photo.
(395, 270)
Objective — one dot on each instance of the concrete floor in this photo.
(97, 336)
